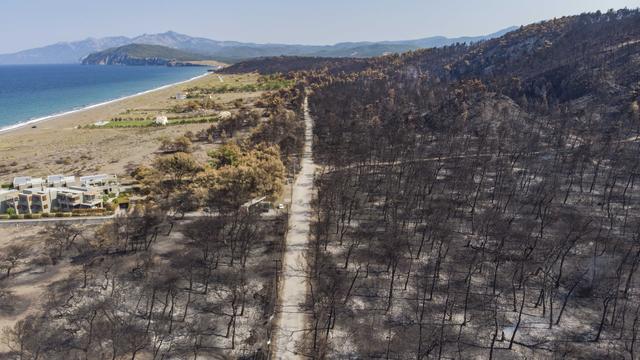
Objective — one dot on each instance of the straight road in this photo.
(290, 321)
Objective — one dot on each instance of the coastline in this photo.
(63, 144)
(20, 125)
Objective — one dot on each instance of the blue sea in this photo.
(30, 92)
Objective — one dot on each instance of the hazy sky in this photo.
(30, 23)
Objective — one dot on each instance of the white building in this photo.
(36, 201)
(224, 115)
(60, 180)
(107, 184)
(100, 179)
(181, 96)
(58, 193)
(69, 199)
(161, 120)
(27, 182)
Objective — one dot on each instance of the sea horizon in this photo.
(33, 93)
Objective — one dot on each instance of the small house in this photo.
(223, 115)
(33, 201)
(161, 120)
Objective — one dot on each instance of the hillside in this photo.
(138, 54)
(226, 51)
(284, 64)
(479, 201)
(63, 52)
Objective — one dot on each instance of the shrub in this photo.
(4, 217)
(64, 161)
(67, 214)
(11, 211)
(46, 215)
(58, 214)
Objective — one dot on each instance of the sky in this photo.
(31, 23)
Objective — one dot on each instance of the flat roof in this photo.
(96, 177)
(66, 190)
(20, 180)
(34, 191)
(254, 201)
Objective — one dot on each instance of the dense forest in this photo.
(481, 201)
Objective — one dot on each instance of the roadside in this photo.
(72, 220)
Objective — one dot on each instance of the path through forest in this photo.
(290, 321)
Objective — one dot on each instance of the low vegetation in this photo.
(264, 83)
(158, 283)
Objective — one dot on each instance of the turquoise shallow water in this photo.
(33, 91)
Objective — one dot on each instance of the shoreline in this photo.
(9, 128)
(65, 145)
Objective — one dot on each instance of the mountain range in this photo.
(226, 51)
(143, 54)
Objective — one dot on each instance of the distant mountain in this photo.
(228, 51)
(371, 49)
(143, 54)
(63, 52)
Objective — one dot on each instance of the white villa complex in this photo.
(57, 193)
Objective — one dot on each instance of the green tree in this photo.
(228, 154)
(252, 173)
(177, 167)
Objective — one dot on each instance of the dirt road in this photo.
(291, 322)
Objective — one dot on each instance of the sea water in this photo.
(31, 92)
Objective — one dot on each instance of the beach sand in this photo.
(56, 145)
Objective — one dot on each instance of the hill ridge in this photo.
(227, 51)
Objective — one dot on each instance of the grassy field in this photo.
(152, 123)
(204, 91)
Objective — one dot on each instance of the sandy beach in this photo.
(55, 116)
(57, 145)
